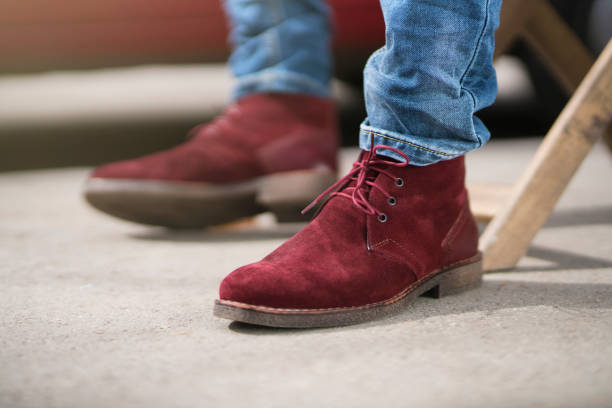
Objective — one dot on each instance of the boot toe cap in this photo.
(251, 285)
(265, 284)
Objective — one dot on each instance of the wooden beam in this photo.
(557, 45)
(582, 122)
(486, 199)
(513, 17)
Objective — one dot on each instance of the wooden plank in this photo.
(582, 122)
(557, 45)
(486, 199)
(513, 17)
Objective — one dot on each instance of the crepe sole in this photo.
(198, 205)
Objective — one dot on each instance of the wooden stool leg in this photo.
(581, 123)
(514, 16)
(557, 45)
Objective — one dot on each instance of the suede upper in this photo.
(258, 135)
(346, 257)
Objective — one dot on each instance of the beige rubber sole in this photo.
(459, 278)
(198, 205)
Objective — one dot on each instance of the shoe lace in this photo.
(364, 172)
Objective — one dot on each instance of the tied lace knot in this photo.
(364, 172)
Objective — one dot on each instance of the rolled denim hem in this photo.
(274, 81)
(419, 153)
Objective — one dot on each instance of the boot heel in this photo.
(286, 194)
(458, 280)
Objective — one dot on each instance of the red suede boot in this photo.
(265, 152)
(389, 233)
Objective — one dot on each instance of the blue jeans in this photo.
(422, 89)
(280, 46)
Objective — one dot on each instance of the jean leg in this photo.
(280, 46)
(435, 71)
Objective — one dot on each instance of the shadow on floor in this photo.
(279, 231)
(496, 293)
(580, 216)
(561, 260)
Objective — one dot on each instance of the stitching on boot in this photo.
(413, 261)
(452, 234)
(391, 300)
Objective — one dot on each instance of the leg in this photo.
(435, 71)
(280, 46)
(281, 127)
(390, 230)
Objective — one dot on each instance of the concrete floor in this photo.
(96, 312)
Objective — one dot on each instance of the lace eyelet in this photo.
(382, 218)
(391, 201)
(399, 182)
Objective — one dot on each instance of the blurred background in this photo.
(85, 82)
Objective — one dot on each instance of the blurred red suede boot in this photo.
(388, 233)
(265, 152)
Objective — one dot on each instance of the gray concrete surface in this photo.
(95, 312)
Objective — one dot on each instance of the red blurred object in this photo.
(64, 34)
(205, 176)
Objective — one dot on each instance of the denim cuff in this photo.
(275, 81)
(420, 154)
